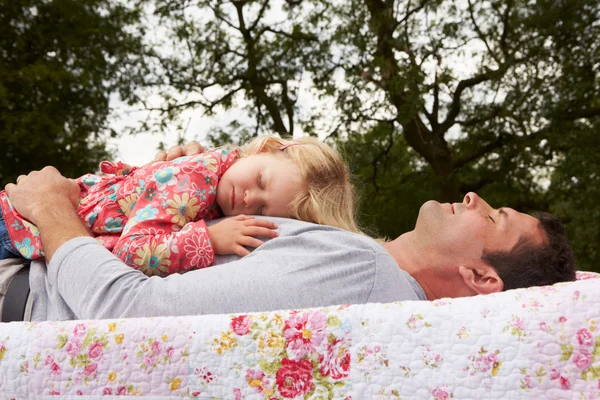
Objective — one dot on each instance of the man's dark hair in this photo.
(530, 264)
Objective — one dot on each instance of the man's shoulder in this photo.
(310, 232)
(314, 240)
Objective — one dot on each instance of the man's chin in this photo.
(429, 206)
(429, 212)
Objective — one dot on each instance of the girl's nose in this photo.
(249, 199)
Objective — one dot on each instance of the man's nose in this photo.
(472, 201)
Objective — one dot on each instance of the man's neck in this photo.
(435, 280)
(403, 251)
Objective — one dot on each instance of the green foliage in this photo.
(428, 99)
(61, 60)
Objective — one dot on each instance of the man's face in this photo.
(458, 233)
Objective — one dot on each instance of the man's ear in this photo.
(482, 279)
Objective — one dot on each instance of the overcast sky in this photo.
(139, 149)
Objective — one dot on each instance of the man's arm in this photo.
(307, 266)
(49, 200)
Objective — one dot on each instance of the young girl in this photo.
(152, 217)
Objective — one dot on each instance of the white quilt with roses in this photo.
(541, 343)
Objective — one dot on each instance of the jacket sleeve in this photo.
(165, 233)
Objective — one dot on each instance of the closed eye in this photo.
(259, 181)
(490, 217)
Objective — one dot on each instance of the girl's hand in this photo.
(178, 151)
(232, 234)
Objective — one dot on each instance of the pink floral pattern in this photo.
(151, 217)
(307, 352)
(490, 346)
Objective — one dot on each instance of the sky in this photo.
(139, 149)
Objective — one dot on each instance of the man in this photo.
(455, 250)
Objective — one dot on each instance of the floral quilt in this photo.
(522, 344)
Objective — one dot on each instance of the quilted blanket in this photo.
(530, 343)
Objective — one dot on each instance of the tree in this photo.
(215, 55)
(429, 98)
(61, 60)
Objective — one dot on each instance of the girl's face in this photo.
(262, 184)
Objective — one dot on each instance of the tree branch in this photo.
(410, 12)
(260, 15)
(480, 33)
(220, 17)
(254, 79)
(462, 86)
(478, 120)
(585, 113)
(505, 21)
(499, 142)
(293, 36)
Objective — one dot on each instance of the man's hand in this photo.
(232, 234)
(49, 200)
(174, 152)
(39, 190)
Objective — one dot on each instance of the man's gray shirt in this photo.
(308, 265)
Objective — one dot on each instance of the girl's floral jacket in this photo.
(152, 217)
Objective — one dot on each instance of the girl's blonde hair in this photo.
(330, 198)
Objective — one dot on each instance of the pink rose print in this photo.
(241, 324)
(121, 390)
(439, 394)
(55, 369)
(562, 319)
(156, 347)
(582, 360)
(544, 326)
(73, 348)
(517, 323)
(170, 351)
(95, 350)
(585, 338)
(238, 394)
(79, 330)
(304, 332)
(564, 383)
(258, 380)
(485, 363)
(107, 391)
(49, 360)
(554, 374)
(336, 360)
(294, 378)
(90, 369)
(149, 361)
